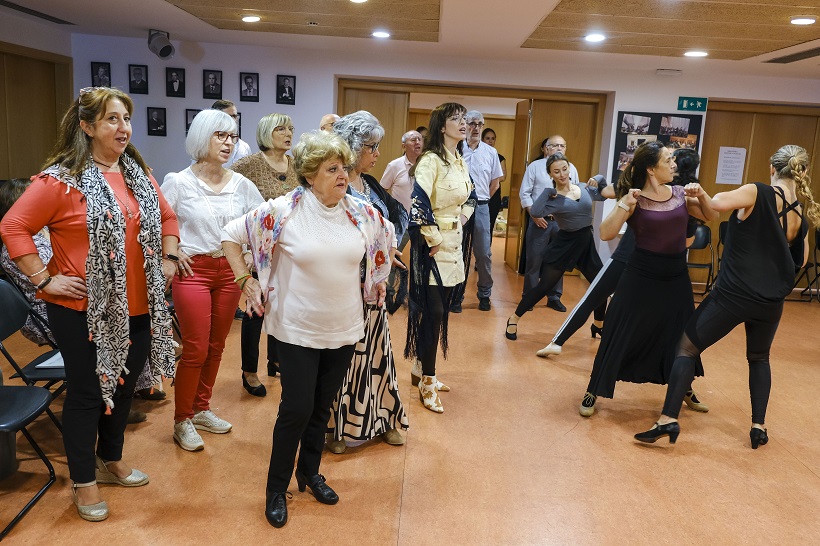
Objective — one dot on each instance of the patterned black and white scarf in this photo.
(108, 318)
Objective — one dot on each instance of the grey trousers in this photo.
(482, 240)
(537, 241)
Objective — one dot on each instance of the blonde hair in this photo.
(265, 127)
(316, 147)
(73, 147)
(792, 162)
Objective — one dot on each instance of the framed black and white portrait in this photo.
(156, 122)
(101, 74)
(211, 84)
(285, 89)
(190, 114)
(175, 82)
(138, 79)
(249, 86)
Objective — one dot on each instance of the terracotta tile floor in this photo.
(509, 462)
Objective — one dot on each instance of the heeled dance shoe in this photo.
(258, 390)
(596, 330)
(514, 334)
(759, 437)
(415, 377)
(428, 394)
(318, 487)
(659, 431)
(692, 401)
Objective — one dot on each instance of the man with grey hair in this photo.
(242, 148)
(327, 121)
(541, 231)
(485, 171)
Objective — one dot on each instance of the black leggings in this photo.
(596, 295)
(249, 343)
(550, 275)
(432, 325)
(710, 323)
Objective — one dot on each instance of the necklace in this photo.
(124, 203)
(103, 164)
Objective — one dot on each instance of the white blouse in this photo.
(314, 296)
(202, 212)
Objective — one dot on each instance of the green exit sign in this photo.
(697, 104)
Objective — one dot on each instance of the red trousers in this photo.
(205, 305)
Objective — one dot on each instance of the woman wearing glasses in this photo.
(205, 197)
(273, 173)
(368, 404)
(443, 200)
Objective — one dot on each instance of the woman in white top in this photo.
(205, 197)
(308, 247)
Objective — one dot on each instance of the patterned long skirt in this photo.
(368, 403)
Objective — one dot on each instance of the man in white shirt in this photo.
(485, 171)
(327, 121)
(242, 148)
(540, 231)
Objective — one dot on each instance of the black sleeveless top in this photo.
(758, 264)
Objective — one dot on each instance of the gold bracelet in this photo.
(45, 268)
(245, 276)
(244, 282)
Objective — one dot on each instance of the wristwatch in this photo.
(171, 257)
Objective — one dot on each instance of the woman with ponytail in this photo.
(766, 242)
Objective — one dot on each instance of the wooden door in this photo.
(390, 108)
(516, 166)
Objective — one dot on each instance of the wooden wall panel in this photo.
(516, 165)
(391, 109)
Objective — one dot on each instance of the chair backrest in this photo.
(724, 225)
(15, 310)
(703, 238)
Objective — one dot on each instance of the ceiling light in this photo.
(251, 18)
(695, 54)
(358, 1)
(594, 37)
(381, 34)
(804, 20)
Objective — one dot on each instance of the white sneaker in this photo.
(187, 437)
(551, 349)
(207, 420)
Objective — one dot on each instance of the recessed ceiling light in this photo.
(381, 34)
(251, 18)
(804, 20)
(594, 37)
(695, 54)
(358, 1)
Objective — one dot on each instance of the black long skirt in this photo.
(644, 323)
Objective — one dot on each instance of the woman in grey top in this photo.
(573, 247)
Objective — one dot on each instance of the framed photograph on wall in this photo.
(285, 89)
(211, 84)
(101, 74)
(138, 79)
(249, 86)
(190, 114)
(175, 82)
(156, 122)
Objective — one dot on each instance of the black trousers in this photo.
(550, 275)
(596, 295)
(249, 343)
(85, 424)
(711, 323)
(432, 327)
(311, 379)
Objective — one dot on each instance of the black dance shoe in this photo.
(514, 334)
(276, 509)
(273, 369)
(258, 390)
(596, 330)
(759, 437)
(557, 305)
(659, 431)
(318, 487)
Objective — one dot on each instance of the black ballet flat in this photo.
(596, 330)
(511, 335)
(659, 431)
(258, 390)
(759, 437)
(276, 509)
(318, 487)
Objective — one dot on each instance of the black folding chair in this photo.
(19, 406)
(810, 272)
(15, 311)
(703, 240)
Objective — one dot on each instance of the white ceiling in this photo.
(469, 29)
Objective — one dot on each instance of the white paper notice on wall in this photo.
(730, 165)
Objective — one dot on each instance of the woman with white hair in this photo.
(205, 197)
(273, 173)
(369, 404)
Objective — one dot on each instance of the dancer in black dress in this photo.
(654, 297)
(766, 241)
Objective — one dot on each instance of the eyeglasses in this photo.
(373, 147)
(281, 129)
(458, 119)
(85, 90)
(562, 146)
(223, 136)
(475, 124)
